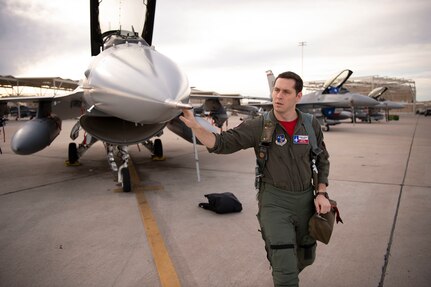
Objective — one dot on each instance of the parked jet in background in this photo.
(327, 104)
(374, 113)
(21, 111)
(129, 94)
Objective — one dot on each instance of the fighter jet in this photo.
(326, 103)
(374, 113)
(128, 95)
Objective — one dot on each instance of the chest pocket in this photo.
(301, 150)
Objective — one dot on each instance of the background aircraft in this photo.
(328, 104)
(374, 113)
(22, 111)
(128, 95)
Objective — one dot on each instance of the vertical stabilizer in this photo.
(271, 80)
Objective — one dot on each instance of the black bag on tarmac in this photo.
(222, 203)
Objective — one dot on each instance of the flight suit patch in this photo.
(281, 140)
(300, 139)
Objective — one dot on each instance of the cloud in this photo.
(227, 45)
(35, 34)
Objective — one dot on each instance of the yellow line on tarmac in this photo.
(167, 274)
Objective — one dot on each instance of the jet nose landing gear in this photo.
(123, 173)
(125, 179)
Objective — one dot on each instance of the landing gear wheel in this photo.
(73, 153)
(158, 148)
(326, 128)
(127, 187)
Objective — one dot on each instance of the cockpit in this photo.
(117, 37)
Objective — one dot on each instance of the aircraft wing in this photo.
(65, 105)
(39, 98)
(24, 98)
(212, 101)
(266, 106)
(40, 82)
(213, 104)
(222, 97)
(199, 94)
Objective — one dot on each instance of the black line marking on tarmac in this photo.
(382, 183)
(391, 238)
(367, 182)
(51, 183)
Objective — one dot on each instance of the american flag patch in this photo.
(300, 139)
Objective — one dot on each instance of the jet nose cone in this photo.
(394, 105)
(363, 101)
(133, 82)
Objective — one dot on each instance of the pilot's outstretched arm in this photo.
(206, 137)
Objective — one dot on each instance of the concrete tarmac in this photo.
(72, 226)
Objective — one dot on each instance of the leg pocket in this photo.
(306, 255)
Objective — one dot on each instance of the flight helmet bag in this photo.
(222, 203)
(321, 226)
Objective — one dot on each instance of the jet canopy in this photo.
(333, 85)
(377, 92)
(112, 20)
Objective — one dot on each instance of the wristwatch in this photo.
(324, 193)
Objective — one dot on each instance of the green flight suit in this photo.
(285, 196)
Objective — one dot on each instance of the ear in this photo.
(298, 97)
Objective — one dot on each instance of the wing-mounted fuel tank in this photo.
(180, 129)
(38, 133)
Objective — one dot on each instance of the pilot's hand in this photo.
(206, 137)
(322, 204)
(189, 119)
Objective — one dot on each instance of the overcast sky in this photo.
(226, 45)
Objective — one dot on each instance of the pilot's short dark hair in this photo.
(299, 84)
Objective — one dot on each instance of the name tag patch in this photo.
(300, 139)
(281, 140)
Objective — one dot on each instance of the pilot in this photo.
(286, 199)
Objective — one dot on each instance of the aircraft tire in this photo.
(73, 153)
(158, 148)
(326, 128)
(127, 187)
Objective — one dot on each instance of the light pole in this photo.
(302, 44)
